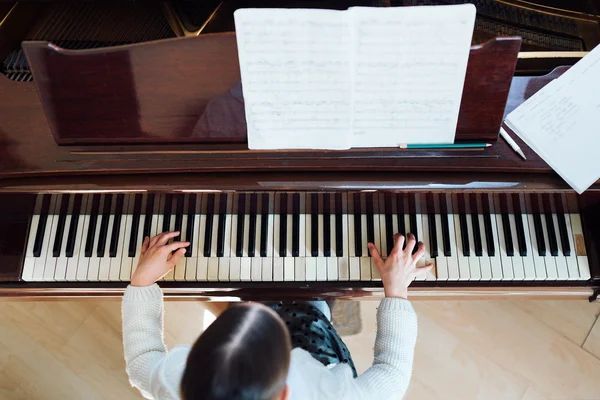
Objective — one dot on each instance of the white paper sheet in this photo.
(561, 123)
(365, 77)
(409, 70)
(295, 67)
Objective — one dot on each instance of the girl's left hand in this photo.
(157, 258)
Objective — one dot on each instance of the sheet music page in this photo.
(409, 70)
(561, 123)
(295, 66)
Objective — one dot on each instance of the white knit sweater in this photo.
(157, 373)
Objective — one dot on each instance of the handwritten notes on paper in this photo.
(561, 123)
(365, 77)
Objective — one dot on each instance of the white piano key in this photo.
(311, 268)
(170, 276)
(83, 261)
(299, 269)
(278, 269)
(441, 260)
(245, 266)
(94, 260)
(484, 261)
(322, 268)
(276, 235)
(213, 269)
(104, 269)
(29, 263)
(453, 265)
(378, 243)
(122, 246)
(267, 269)
(351, 239)
(383, 250)
(40, 262)
(332, 234)
(528, 260)
(179, 274)
(332, 268)
(215, 234)
(496, 260)
(365, 268)
(538, 262)
(426, 259)
(50, 263)
(289, 272)
(343, 262)
(518, 267)
(202, 262)
(561, 261)
(289, 236)
(579, 246)
(305, 241)
(320, 236)
(464, 272)
(572, 264)
(302, 236)
(364, 236)
(126, 261)
(474, 261)
(507, 262)
(61, 262)
(354, 266)
(255, 269)
(551, 268)
(224, 274)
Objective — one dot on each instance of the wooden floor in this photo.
(521, 350)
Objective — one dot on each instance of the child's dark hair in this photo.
(243, 355)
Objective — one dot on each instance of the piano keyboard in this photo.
(278, 236)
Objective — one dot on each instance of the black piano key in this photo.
(510, 251)
(264, 228)
(400, 216)
(370, 198)
(179, 214)
(464, 234)
(357, 227)
(339, 234)
(166, 211)
(41, 228)
(314, 225)
(521, 242)
(222, 221)
(190, 225)
(148, 215)
(326, 225)
(103, 235)
(283, 226)
(252, 226)
(72, 236)
(433, 244)
(296, 225)
(239, 245)
(489, 238)
(562, 225)
(116, 228)
(93, 221)
(210, 209)
(475, 225)
(135, 225)
(552, 239)
(537, 224)
(389, 223)
(60, 225)
(445, 226)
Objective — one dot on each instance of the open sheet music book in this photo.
(364, 77)
(561, 123)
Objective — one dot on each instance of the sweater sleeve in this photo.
(390, 374)
(143, 342)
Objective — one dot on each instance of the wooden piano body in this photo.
(32, 163)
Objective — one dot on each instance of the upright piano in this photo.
(84, 179)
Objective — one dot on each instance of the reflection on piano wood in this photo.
(88, 243)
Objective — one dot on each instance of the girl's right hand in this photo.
(400, 268)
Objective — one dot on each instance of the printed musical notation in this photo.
(365, 77)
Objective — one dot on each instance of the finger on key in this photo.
(375, 255)
(165, 237)
(176, 246)
(145, 244)
(410, 244)
(175, 257)
(420, 251)
(398, 243)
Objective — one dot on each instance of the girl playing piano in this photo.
(246, 354)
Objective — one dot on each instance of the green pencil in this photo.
(446, 146)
